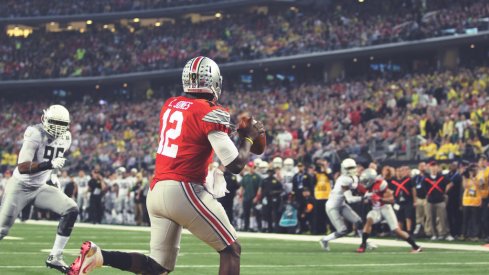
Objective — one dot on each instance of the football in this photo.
(259, 143)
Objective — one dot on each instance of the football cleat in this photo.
(89, 259)
(417, 250)
(361, 249)
(324, 244)
(57, 263)
(371, 246)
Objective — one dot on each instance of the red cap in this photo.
(251, 164)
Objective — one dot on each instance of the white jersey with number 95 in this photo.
(39, 146)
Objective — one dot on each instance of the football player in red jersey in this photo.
(192, 127)
(382, 199)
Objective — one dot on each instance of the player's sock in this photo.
(59, 244)
(133, 262)
(330, 237)
(412, 243)
(117, 259)
(364, 240)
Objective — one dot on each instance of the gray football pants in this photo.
(338, 214)
(18, 195)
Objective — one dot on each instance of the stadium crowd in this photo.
(317, 125)
(103, 51)
(24, 8)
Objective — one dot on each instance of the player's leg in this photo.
(206, 219)
(51, 198)
(351, 216)
(165, 242)
(334, 215)
(390, 217)
(13, 201)
(373, 217)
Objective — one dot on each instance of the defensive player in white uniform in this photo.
(42, 151)
(337, 208)
(287, 174)
(382, 199)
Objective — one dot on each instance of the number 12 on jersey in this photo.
(168, 134)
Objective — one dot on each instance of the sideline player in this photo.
(191, 128)
(382, 199)
(42, 151)
(337, 209)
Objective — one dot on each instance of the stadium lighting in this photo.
(89, 22)
(472, 46)
(82, 30)
(157, 24)
(136, 20)
(106, 26)
(70, 27)
(218, 15)
(251, 71)
(52, 23)
(124, 85)
(97, 86)
(308, 65)
(293, 66)
(355, 59)
(371, 58)
(361, 1)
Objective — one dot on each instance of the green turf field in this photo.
(25, 256)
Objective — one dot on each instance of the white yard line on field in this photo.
(298, 265)
(287, 237)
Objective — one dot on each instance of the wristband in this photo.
(45, 166)
(249, 140)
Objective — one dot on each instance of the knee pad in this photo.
(67, 221)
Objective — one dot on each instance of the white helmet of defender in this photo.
(288, 164)
(263, 167)
(56, 120)
(201, 75)
(277, 162)
(349, 167)
(368, 177)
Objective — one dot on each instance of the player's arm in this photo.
(349, 196)
(27, 166)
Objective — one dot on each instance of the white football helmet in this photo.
(263, 167)
(201, 75)
(56, 120)
(277, 162)
(368, 177)
(257, 162)
(288, 164)
(349, 167)
(415, 172)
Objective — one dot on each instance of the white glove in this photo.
(58, 163)
(367, 195)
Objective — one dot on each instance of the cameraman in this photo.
(471, 202)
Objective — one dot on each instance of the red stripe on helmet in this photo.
(195, 64)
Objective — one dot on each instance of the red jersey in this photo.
(184, 152)
(378, 189)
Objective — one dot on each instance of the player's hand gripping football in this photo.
(58, 163)
(248, 127)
